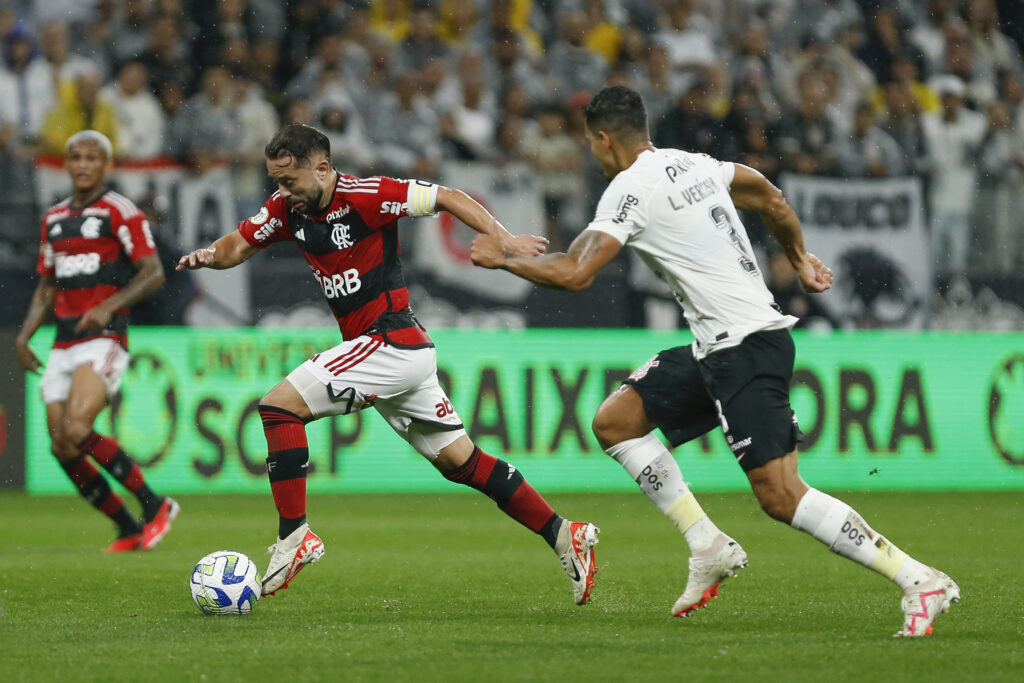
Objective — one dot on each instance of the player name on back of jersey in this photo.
(695, 191)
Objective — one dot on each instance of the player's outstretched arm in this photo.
(473, 214)
(751, 191)
(39, 311)
(148, 278)
(227, 252)
(573, 270)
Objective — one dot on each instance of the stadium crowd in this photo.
(840, 88)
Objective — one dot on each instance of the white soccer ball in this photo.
(225, 582)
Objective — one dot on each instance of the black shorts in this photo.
(745, 389)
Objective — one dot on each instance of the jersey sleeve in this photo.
(44, 265)
(134, 234)
(382, 200)
(269, 225)
(621, 212)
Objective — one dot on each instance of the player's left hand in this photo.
(96, 318)
(527, 245)
(487, 252)
(814, 275)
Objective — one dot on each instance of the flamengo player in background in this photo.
(677, 210)
(347, 229)
(97, 258)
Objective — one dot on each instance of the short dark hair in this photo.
(298, 141)
(617, 110)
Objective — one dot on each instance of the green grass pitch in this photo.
(447, 588)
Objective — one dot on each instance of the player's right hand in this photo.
(26, 359)
(526, 245)
(198, 258)
(814, 275)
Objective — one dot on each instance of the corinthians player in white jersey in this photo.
(678, 211)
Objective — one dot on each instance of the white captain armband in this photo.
(421, 199)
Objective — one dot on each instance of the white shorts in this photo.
(400, 383)
(108, 358)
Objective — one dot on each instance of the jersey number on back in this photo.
(722, 221)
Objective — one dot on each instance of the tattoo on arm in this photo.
(585, 247)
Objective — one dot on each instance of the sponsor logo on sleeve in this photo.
(626, 204)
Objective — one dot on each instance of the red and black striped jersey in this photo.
(353, 249)
(89, 250)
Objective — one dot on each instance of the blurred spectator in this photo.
(204, 133)
(255, 121)
(404, 131)
(468, 127)
(885, 40)
(953, 138)
(689, 125)
(340, 121)
(329, 54)
(26, 89)
(141, 123)
(80, 108)
(511, 65)
(904, 74)
(960, 62)
(558, 160)
(355, 40)
(130, 34)
(902, 121)
(459, 24)
(572, 65)
(264, 66)
(658, 83)
(929, 36)
(422, 42)
(990, 46)
(998, 241)
(869, 152)
(688, 37)
(166, 55)
(603, 35)
(378, 84)
(62, 64)
(809, 135)
(390, 19)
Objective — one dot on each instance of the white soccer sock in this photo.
(652, 467)
(845, 532)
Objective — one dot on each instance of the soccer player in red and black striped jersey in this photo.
(97, 258)
(347, 229)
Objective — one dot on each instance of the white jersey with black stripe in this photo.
(674, 210)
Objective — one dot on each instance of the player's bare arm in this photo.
(751, 191)
(39, 311)
(473, 214)
(227, 252)
(572, 270)
(148, 278)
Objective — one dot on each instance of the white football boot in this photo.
(708, 569)
(923, 602)
(288, 556)
(575, 548)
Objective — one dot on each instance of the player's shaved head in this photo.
(619, 112)
(299, 143)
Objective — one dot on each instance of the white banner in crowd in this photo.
(198, 210)
(441, 246)
(872, 234)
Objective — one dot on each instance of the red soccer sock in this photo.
(287, 464)
(108, 452)
(93, 486)
(504, 484)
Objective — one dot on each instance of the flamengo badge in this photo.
(339, 235)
